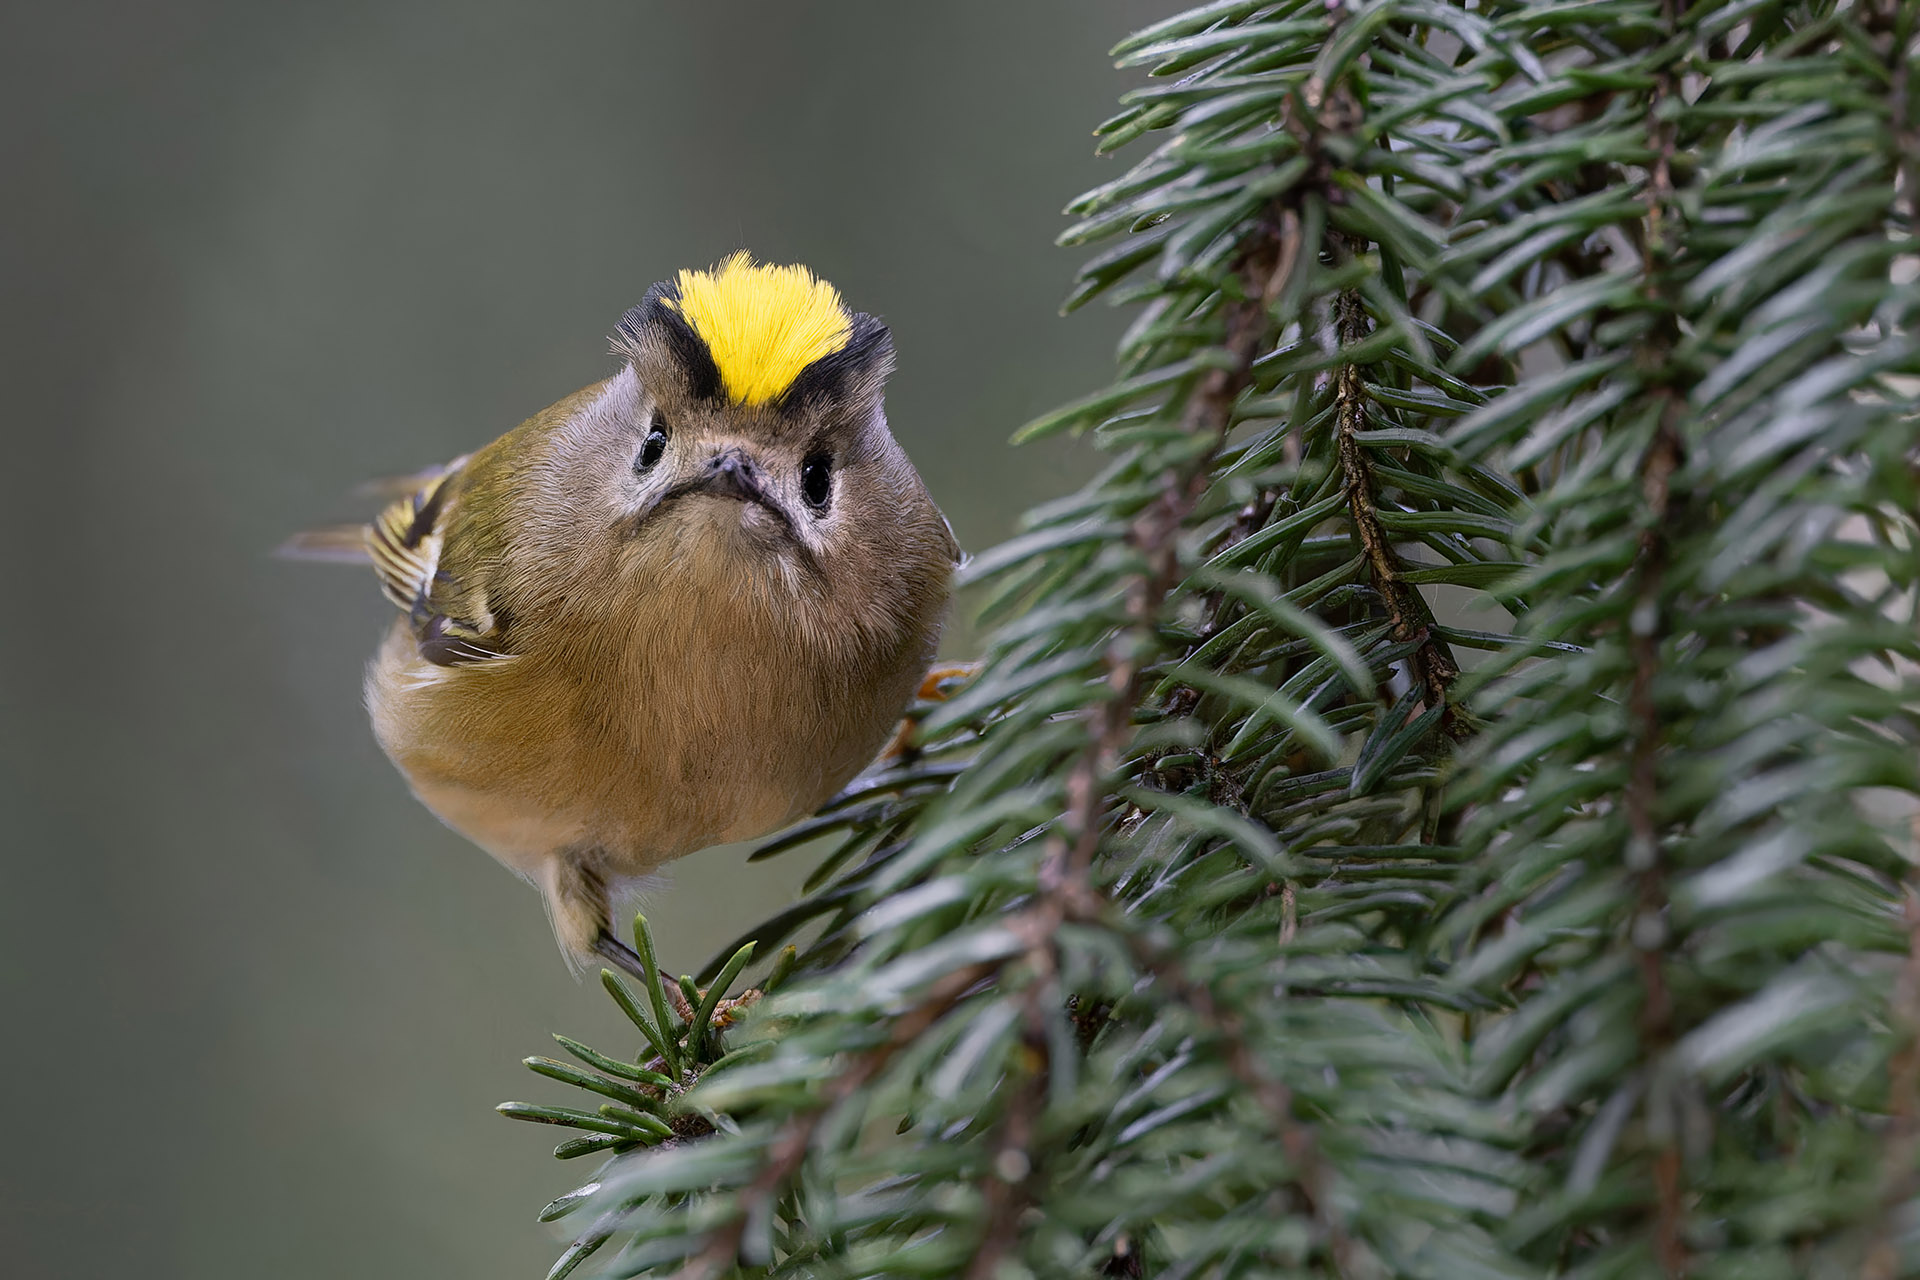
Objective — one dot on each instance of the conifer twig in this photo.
(1432, 665)
(1065, 888)
(789, 1149)
(1155, 535)
(1064, 879)
(1650, 929)
(1901, 1150)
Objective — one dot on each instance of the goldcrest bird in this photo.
(681, 607)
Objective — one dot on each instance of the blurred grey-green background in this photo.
(256, 1002)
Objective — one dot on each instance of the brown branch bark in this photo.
(1066, 891)
(1649, 929)
(1432, 663)
(1646, 626)
(1155, 533)
(1900, 1158)
(1007, 1190)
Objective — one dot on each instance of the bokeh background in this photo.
(256, 1003)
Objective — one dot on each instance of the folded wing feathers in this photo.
(405, 546)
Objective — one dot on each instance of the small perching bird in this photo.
(681, 607)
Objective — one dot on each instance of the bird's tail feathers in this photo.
(337, 544)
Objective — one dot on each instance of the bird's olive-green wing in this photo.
(451, 620)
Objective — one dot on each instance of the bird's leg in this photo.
(620, 955)
(575, 884)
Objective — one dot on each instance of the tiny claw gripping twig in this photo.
(944, 678)
(942, 681)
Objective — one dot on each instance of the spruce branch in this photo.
(788, 1149)
(1006, 1190)
(1154, 535)
(1065, 889)
(1650, 930)
(1433, 667)
(1649, 934)
(1900, 1151)
(1198, 935)
(1312, 1177)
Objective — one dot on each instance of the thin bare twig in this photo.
(1431, 662)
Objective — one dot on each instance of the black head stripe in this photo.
(862, 365)
(653, 321)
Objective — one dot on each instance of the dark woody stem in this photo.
(1432, 663)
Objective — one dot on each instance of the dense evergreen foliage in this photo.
(1441, 803)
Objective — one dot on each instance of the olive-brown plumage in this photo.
(681, 607)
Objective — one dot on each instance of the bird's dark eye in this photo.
(816, 482)
(652, 447)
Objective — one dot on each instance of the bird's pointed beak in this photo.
(733, 473)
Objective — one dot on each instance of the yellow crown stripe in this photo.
(762, 324)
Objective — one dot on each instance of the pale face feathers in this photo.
(802, 503)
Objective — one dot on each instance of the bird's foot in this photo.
(945, 679)
(941, 683)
